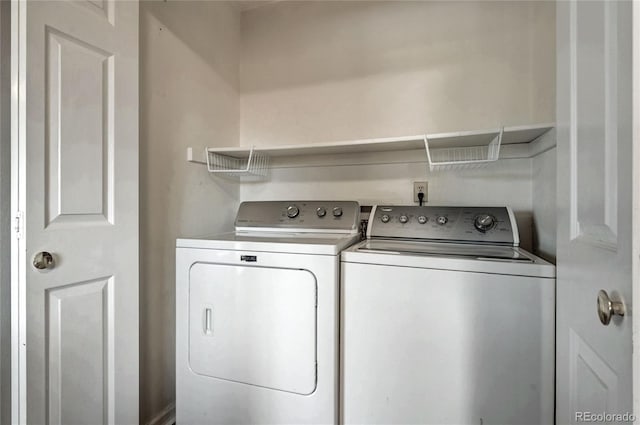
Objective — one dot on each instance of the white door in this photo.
(594, 209)
(78, 188)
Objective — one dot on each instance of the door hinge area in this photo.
(18, 224)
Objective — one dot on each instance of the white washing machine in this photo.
(257, 316)
(446, 321)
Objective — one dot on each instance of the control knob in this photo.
(442, 220)
(385, 218)
(484, 222)
(337, 212)
(403, 219)
(422, 219)
(321, 212)
(292, 211)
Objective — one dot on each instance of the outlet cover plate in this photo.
(420, 187)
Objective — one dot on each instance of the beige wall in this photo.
(544, 204)
(188, 97)
(328, 71)
(507, 182)
(324, 71)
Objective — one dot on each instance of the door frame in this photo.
(635, 274)
(18, 203)
(5, 212)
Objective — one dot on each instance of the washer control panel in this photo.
(492, 225)
(336, 216)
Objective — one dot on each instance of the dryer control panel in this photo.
(322, 216)
(484, 225)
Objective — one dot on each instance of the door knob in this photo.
(43, 260)
(607, 308)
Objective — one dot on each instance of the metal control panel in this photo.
(333, 216)
(483, 225)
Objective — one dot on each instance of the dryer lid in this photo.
(281, 242)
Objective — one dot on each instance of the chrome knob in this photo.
(403, 219)
(385, 218)
(43, 260)
(442, 220)
(484, 222)
(321, 212)
(422, 219)
(292, 211)
(337, 212)
(607, 308)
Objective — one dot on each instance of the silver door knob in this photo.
(43, 260)
(607, 308)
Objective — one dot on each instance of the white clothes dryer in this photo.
(257, 316)
(446, 321)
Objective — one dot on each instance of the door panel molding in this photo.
(80, 319)
(587, 365)
(78, 191)
(593, 178)
(104, 8)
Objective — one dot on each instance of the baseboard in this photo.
(166, 417)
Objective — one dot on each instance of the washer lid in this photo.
(492, 252)
(449, 256)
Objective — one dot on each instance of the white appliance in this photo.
(257, 316)
(446, 321)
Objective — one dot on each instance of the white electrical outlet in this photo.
(420, 187)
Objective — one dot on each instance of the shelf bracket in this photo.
(191, 158)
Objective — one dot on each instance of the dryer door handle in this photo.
(207, 324)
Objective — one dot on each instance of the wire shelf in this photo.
(441, 159)
(254, 165)
(445, 151)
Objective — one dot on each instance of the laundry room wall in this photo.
(189, 58)
(507, 182)
(5, 214)
(330, 71)
(544, 204)
(326, 71)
